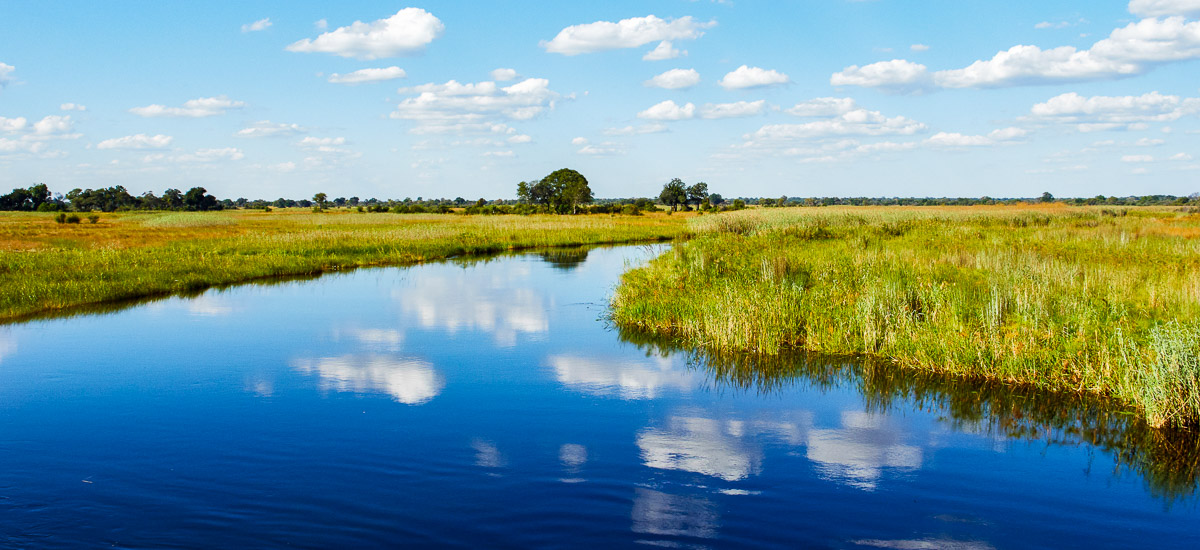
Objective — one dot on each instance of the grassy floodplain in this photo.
(1089, 300)
(47, 266)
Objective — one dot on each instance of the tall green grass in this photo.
(1066, 299)
(48, 267)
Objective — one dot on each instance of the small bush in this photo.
(93, 218)
(60, 218)
(73, 218)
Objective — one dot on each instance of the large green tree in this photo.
(674, 193)
(197, 198)
(697, 193)
(563, 191)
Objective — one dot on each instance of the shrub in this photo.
(93, 218)
(73, 218)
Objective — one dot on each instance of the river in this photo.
(487, 403)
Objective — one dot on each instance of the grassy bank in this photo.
(46, 266)
(1094, 300)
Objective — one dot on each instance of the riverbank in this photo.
(1089, 300)
(47, 266)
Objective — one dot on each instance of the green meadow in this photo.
(47, 266)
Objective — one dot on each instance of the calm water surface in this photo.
(487, 404)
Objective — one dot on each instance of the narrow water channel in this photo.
(486, 403)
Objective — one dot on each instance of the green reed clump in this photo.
(1037, 296)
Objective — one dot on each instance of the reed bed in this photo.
(1089, 300)
(45, 266)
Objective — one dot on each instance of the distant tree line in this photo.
(1133, 200)
(110, 199)
(563, 191)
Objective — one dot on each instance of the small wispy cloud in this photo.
(259, 25)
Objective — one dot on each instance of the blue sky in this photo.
(432, 99)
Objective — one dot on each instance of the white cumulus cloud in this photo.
(11, 125)
(732, 110)
(856, 122)
(322, 142)
(9, 146)
(405, 33)
(675, 79)
(6, 71)
(1115, 112)
(652, 128)
(72, 107)
(607, 148)
(193, 108)
(823, 106)
(137, 141)
(504, 75)
(626, 33)
(479, 106)
(209, 155)
(669, 110)
(1157, 8)
(1008, 134)
(259, 25)
(54, 126)
(897, 75)
(752, 77)
(266, 128)
(1127, 51)
(368, 75)
(954, 139)
(1137, 158)
(949, 139)
(663, 51)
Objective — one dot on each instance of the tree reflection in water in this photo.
(1167, 459)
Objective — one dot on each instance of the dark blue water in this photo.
(487, 404)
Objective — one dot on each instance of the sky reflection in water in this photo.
(486, 403)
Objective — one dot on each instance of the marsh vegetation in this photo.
(1085, 300)
(48, 266)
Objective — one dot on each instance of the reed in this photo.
(1088, 300)
(47, 266)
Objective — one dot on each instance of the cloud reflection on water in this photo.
(855, 454)
(409, 381)
(658, 513)
(628, 379)
(858, 452)
(8, 344)
(487, 455)
(699, 445)
(208, 305)
(925, 544)
(462, 303)
(380, 338)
